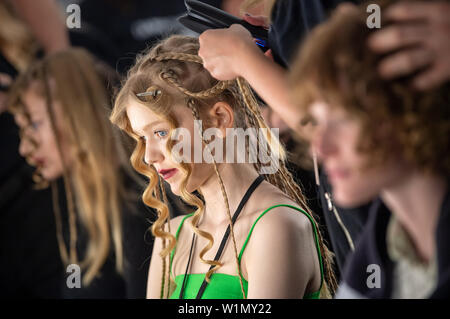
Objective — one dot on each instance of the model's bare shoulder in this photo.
(282, 245)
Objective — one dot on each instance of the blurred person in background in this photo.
(61, 105)
(29, 257)
(417, 40)
(386, 139)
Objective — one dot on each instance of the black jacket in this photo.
(372, 249)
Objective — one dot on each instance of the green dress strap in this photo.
(176, 240)
(316, 240)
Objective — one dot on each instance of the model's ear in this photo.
(221, 116)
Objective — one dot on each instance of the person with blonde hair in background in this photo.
(27, 209)
(61, 105)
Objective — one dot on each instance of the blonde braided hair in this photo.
(171, 78)
(159, 68)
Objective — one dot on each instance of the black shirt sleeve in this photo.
(291, 21)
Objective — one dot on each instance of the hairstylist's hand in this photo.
(260, 21)
(420, 38)
(224, 51)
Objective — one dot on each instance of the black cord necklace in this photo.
(244, 200)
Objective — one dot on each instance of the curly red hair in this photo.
(336, 66)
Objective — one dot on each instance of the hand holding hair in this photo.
(225, 50)
(419, 41)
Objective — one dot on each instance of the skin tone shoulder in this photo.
(283, 236)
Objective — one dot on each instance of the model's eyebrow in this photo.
(148, 126)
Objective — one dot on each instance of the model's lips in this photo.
(168, 173)
(38, 161)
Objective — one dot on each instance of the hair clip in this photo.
(153, 93)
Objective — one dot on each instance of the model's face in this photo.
(44, 152)
(335, 142)
(154, 132)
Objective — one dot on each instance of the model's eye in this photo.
(161, 133)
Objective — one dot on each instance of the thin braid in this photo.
(253, 123)
(158, 195)
(163, 276)
(292, 188)
(250, 101)
(191, 105)
(250, 122)
(179, 56)
(171, 78)
(255, 117)
(284, 180)
(164, 197)
(213, 91)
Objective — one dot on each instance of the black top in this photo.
(29, 257)
(372, 249)
(137, 248)
(291, 22)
